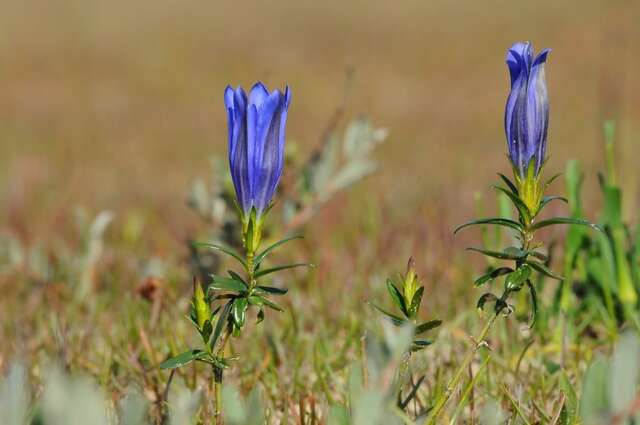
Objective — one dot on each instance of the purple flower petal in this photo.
(527, 109)
(256, 143)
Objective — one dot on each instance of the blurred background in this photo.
(118, 106)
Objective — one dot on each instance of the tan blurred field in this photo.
(118, 104)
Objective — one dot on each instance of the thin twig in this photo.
(468, 390)
(524, 351)
(165, 398)
(451, 386)
(412, 393)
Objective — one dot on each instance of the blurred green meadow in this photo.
(111, 113)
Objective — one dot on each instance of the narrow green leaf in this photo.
(248, 236)
(551, 180)
(495, 221)
(221, 283)
(516, 278)
(488, 277)
(394, 319)
(563, 220)
(192, 318)
(539, 255)
(427, 326)
(256, 300)
(547, 199)
(183, 359)
(515, 251)
(509, 183)
(484, 299)
(260, 301)
(239, 309)
(273, 290)
(534, 303)
(278, 268)
(271, 304)
(222, 321)
(207, 328)
(541, 268)
(416, 301)
(418, 345)
(502, 255)
(517, 202)
(236, 276)
(270, 248)
(397, 297)
(224, 249)
(213, 313)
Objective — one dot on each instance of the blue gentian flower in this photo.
(256, 144)
(526, 116)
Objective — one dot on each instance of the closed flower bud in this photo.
(256, 145)
(200, 305)
(411, 283)
(526, 120)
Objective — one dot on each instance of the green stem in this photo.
(441, 401)
(217, 385)
(251, 280)
(217, 379)
(217, 371)
(467, 391)
(402, 372)
(446, 395)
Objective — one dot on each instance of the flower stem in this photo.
(217, 385)
(218, 377)
(251, 280)
(446, 395)
(441, 401)
(402, 372)
(218, 371)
